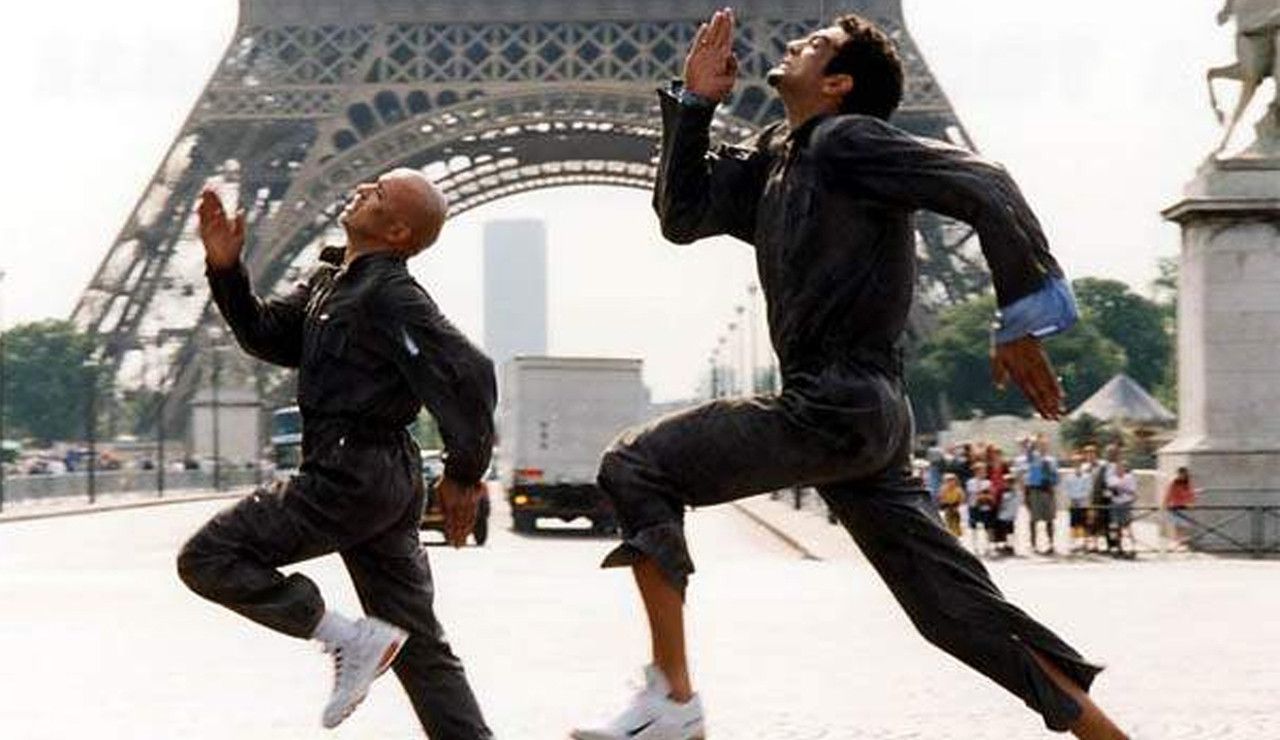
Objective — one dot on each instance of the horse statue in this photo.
(1257, 32)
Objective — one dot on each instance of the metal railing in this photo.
(68, 485)
(1211, 528)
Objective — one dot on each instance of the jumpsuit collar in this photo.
(801, 134)
(335, 256)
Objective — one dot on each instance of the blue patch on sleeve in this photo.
(1048, 311)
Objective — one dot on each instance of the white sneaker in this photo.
(652, 715)
(357, 662)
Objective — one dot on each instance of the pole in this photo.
(722, 381)
(732, 361)
(257, 447)
(741, 355)
(2, 388)
(160, 440)
(754, 323)
(217, 431)
(91, 431)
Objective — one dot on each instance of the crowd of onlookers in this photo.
(981, 488)
(77, 460)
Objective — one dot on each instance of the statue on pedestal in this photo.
(1257, 33)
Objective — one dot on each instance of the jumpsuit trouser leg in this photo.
(398, 589)
(858, 456)
(950, 597)
(234, 561)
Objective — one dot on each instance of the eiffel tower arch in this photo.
(488, 97)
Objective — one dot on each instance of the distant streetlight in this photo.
(721, 385)
(258, 388)
(735, 357)
(160, 432)
(748, 384)
(2, 383)
(754, 323)
(91, 429)
(217, 409)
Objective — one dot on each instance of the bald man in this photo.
(371, 348)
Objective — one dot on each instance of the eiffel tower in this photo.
(488, 97)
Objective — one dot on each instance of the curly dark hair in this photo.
(872, 59)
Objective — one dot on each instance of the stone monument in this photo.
(1229, 305)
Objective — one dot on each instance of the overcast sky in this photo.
(1098, 107)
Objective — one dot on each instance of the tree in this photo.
(1088, 430)
(950, 371)
(426, 432)
(1132, 322)
(47, 387)
(1165, 289)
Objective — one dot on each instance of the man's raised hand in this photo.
(711, 69)
(1024, 361)
(223, 238)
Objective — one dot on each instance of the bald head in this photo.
(402, 211)
(418, 203)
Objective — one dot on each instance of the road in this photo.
(99, 639)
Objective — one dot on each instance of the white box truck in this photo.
(556, 416)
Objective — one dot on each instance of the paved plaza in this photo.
(100, 640)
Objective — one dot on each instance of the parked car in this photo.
(433, 515)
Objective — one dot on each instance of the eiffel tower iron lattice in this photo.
(488, 97)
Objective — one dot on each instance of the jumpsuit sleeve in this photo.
(871, 158)
(700, 191)
(271, 329)
(450, 377)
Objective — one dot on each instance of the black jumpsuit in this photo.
(371, 348)
(829, 209)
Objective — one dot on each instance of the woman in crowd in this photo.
(1124, 491)
(1001, 479)
(1178, 497)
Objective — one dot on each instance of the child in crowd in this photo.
(982, 505)
(950, 497)
(1076, 484)
(1007, 514)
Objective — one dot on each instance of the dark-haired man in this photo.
(371, 349)
(826, 198)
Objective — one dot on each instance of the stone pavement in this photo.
(60, 506)
(99, 639)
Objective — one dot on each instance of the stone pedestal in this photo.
(1229, 337)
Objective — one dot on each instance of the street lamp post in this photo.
(2, 387)
(258, 386)
(723, 383)
(91, 430)
(217, 431)
(754, 323)
(748, 383)
(734, 359)
(160, 440)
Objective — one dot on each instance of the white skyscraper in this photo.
(515, 289)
